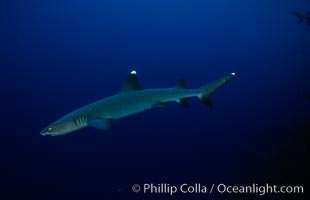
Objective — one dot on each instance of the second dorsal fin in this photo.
(132, 83)
(181, 84)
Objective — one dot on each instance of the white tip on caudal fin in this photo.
(133, 72)
(207, 90)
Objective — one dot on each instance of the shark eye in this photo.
(49, 129)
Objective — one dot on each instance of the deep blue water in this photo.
(60, 55)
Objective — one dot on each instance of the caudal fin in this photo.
(207, 90)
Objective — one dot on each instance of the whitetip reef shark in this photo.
(130, 100)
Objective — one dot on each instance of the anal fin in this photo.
(207, 101)
(183, 102)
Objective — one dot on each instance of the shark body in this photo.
(302, 17)
(130, 100)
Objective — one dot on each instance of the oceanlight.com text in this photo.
(198, 188)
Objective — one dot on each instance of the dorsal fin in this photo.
(131, 84)
(181, 84)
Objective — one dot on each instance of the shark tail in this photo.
(207, 90)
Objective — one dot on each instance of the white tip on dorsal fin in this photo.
(233, 73)
(131, 84)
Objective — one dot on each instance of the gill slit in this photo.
(81, 120)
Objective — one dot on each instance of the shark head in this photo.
(60, 128)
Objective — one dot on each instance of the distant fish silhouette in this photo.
(302, 17)
(306, 94)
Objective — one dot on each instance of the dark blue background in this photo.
(60, 55)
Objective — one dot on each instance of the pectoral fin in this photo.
(101, 124)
